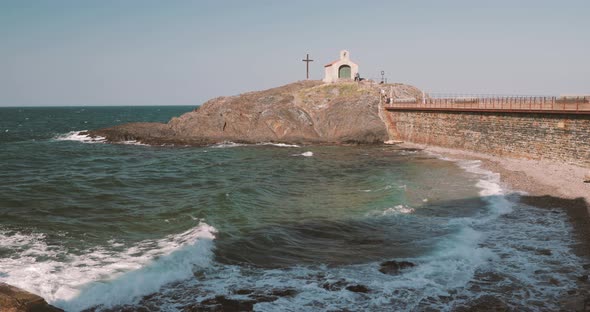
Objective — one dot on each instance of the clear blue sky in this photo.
(146, 52)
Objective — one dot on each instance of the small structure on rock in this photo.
(342, 69)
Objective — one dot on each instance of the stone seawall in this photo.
(560, 137)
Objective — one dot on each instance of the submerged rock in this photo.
(14, 299)
(395, 267)
(486, 303)
(343, 284)
(335, 286)
(358, 288)
(301, 112)
(222, 303)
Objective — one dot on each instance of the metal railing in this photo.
(494, 103)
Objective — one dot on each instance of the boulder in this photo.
(395, 267)
(14, 299)
(304, 112)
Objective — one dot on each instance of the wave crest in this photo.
(84, 281)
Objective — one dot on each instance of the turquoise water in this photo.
(89, 224)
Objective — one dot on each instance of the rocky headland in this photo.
(304, 112)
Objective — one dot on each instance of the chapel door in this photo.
(344, 72)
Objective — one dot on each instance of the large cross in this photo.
(307, 60)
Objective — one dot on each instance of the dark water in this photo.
(91, 224)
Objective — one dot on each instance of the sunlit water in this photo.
(88, 224)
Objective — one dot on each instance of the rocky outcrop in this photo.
(14, 299)
(301, 112)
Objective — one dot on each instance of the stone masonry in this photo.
(561, 137)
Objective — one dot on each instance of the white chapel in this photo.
(342, 69)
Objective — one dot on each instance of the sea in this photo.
(94, 226)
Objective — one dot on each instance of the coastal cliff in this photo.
(304, 112)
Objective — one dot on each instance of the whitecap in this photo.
(227, 144)
(305, 154)
(395, 210)
(104, 276)
(133, 142)
(278, 144)
(80, 137)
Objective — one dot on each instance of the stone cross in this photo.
(307, 60)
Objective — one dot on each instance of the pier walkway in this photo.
(516, 104)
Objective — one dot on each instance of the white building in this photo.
(342, 69)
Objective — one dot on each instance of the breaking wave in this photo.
(104, 276)
(80, 137)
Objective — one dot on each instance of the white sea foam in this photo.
(85, 138)
(278, 144)
(306, 154)
(227, 144)
(80, 137)
(391, 211)
(104, 276)
(133, 142)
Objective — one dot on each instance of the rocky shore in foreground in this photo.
(304, 112)
(14, 299)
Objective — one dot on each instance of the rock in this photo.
(576, 301)
(395, 267)
(335, 286)
(264, 298)
(243, 291)
(583, 278)
(14, 299)
(287, 292)
(543, 252)
(587, 178)
(221, 303)
(486, 303)
(302, 112)
(358, 288)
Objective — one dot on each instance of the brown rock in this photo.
(221, 303)
(395, 267)
(358, 288)
(14, 299)
(544, 252)
(287, 292)
(300, 112)
(335, 286)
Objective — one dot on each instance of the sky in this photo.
(144, 52)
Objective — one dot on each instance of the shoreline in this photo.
(535, 177)
(546, 185)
